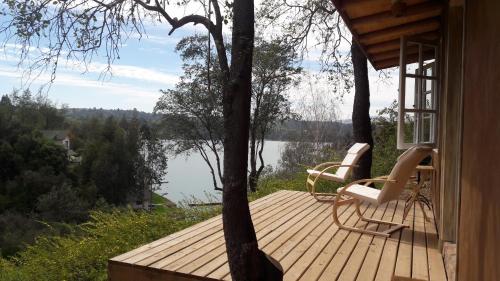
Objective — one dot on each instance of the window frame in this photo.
(421, 79)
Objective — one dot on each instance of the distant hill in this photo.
(299, 130)
(85, 113)
(291, 130)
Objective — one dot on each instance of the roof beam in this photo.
(398, 31)
(386, 19)
(395, 44)
(394, 53)
(410, 58)
(361, 8)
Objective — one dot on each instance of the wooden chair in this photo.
(344, 168)
(394, 184)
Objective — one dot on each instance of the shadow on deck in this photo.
(298, 232)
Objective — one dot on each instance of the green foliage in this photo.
(192, 112)
(62, 204)
(274, 72)
(30, 164)
(121, 159)
(83, 255)
(385, 151)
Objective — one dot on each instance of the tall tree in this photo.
(274, 72)
(317, 24)
(246, 261)
(361, 122)
(192, 111)
(78, 29)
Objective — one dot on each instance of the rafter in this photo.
(392, 62)
(398, 31)
(362, 8)
(385, 19)
(395, 44)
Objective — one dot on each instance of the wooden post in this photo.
(451, 126)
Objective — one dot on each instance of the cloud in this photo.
(116, 70)
(134, 72)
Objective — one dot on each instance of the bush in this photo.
(83, 255)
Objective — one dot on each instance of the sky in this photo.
(149, 64)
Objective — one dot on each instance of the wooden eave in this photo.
(378, 31)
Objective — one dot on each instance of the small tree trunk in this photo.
(253, 177)
(246, 261)
(361, 123)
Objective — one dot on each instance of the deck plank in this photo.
(299, 233)
(420, 270)
(192, 251)
(213, 221)
(285, 231)
(296, 260)
(405, 249)
(388, 259)
(355, 261)
(315, 270)
(435, 259)
(369, 267)
(285, 222)
(332, 271)
(154, 254)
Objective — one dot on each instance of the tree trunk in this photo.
(361, 123)
(253, 177)
(246, 261)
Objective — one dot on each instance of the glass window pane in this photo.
(409, 127)
(411, 57)
(427, 128)
(429, 53)
(410, 90)
(428, 102)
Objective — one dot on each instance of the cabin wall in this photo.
(479, 223)
(450, 123)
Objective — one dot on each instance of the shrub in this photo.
(83, 255)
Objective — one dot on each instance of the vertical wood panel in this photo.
(451, 109)
(479, 226)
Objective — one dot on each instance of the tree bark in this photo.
(246, 261)
(252, 177)
(361, 122)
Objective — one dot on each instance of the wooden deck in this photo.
(298, 232)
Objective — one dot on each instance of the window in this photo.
(418, 86)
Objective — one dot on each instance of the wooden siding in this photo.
(451, 125)
(299, 232)
(479, 226)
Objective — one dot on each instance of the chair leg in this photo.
(423, 211)
(310, 188)
(386, 233)
(315, 195)
(363, 218)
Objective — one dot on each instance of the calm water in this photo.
(190, 175)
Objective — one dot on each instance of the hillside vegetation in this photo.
(82, 251)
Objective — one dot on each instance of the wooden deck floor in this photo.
(298, 232)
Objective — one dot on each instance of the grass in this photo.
(83, 255)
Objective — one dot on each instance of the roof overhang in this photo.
(377, 26)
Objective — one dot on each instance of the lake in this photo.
(190, 175)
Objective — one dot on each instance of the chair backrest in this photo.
(402, 171)
(352, 157)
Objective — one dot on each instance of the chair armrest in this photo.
(331, 167)
(317, 167)
(366, 182)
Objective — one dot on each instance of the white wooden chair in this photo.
(394, 184)
(343, 170)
